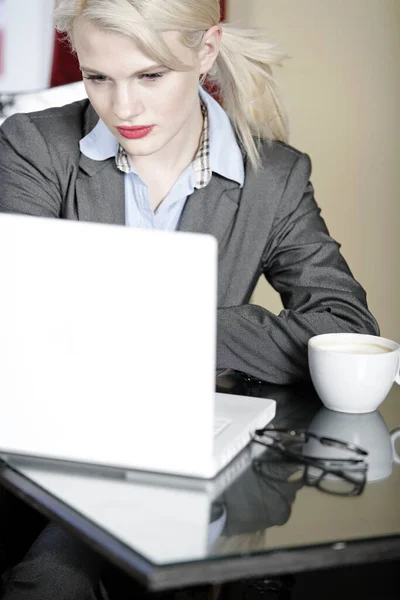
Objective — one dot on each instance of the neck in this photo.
(177, 154)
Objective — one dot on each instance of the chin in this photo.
(142, 147)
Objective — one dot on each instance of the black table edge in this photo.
(214, 570)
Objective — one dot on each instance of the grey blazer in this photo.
(271, 226)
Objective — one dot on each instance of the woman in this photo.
(162, 155)
(152, 149)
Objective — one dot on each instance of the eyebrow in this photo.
(146, 70)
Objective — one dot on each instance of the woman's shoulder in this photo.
(279, 155)
(60, 127)
(283, 172)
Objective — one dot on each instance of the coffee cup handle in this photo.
(397, 376)
(395, 435)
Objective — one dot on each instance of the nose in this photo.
(127, 103)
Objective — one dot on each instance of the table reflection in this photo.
(171, 519)
(369, 431)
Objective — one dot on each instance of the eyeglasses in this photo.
(292, 439)
(334, 475)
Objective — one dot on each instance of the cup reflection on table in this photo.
(368, 431)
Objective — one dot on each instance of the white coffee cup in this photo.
(367, 431)
(353, 372)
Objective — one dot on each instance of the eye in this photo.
(151, 76)
(96, 78)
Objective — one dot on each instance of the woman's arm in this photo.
(303, 263)
(28, 184)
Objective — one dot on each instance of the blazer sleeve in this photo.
(319, 294)
(28, 181)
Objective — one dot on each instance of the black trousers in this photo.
(56, 566)
(40, 560)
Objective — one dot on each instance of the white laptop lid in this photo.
(102, 327)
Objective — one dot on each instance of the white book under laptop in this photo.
(107, 349)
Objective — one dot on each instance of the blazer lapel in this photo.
(100, 189)
(100, 192)
(101, 198)
(212, 209)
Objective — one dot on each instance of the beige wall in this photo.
(342, 90)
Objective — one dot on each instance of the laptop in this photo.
(107, 349)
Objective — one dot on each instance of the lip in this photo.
(135, 133)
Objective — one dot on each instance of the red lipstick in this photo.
(135, 133)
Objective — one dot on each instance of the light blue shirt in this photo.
(225, 159)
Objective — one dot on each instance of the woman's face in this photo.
(127, 89)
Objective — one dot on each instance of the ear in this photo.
(210, 48)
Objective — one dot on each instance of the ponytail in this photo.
(247, 89)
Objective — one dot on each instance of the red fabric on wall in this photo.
(65, 67)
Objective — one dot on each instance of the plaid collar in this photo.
(201, 163)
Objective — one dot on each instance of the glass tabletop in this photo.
(173, 520)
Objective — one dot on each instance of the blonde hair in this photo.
(242, 71)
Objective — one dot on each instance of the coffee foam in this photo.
(352, 348)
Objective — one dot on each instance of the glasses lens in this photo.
(288, 438)
(341, 487)
(278, 471)
(299, 442)
(317, 449)
(339, 482)
(345, 446)
(297, 474)
(337, 464)
(346, 484)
